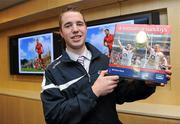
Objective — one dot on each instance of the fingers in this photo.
(162, 84)
(111, 89)
(168, 72)
(169, 67)
(113, 78)
(102, 73)
(105, 84)
(168, 77)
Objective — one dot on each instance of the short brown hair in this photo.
(68, 9)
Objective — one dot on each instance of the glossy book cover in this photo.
(141, 51)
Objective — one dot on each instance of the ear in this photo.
(60, 32)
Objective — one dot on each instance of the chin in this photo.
(78, 45)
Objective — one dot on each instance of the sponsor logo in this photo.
(159, 76)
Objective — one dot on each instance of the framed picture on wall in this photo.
(35, 53)
(30, 53)
(100, 33)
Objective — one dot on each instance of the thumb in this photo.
(102, 73)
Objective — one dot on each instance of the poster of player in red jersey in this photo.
(102, 36)
(39, 51)
(108, 40)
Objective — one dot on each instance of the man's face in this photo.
(157, 48)
(106, 32)
(128, 47)
(73, 30)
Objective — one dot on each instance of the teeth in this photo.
(76, 37)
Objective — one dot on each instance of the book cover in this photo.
(141, 51)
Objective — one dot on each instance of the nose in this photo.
(75, 28)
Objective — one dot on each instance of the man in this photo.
(75, 93)
(127, 54)
(108, 40)
(39, 49)
(156, 59)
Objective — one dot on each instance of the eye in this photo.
(80, 24)
(67, 25)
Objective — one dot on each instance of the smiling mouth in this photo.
(77, 37)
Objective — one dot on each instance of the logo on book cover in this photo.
(159, 76)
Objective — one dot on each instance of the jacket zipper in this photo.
(89, 77)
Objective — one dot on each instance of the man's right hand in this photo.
(105, 84)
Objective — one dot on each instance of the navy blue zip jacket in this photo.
(67, 96)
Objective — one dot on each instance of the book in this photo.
(141, 51)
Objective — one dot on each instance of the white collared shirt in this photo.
(87, 57)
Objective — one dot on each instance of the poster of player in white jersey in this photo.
(156, 58)
(127, 53)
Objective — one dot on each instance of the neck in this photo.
(77, 51)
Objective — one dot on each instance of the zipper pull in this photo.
(89, 77)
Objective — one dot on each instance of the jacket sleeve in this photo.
(132, 90)
(60, 110)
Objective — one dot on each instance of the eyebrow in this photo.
(80, 22)
(75, 22)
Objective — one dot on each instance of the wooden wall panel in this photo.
(17, 110)
(136, 119)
